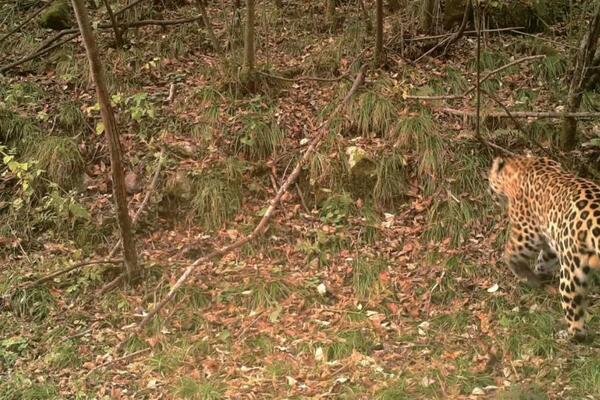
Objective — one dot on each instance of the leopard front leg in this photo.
(574, 271)
(519, 252)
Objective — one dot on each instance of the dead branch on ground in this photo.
(447, 41)
(27, 20)
(474, 87)
(53, 275)
(523, 114)
(262, 226)
(45, 47)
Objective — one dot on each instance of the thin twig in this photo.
(263, 223)
(22, 24)
(587, 167)
(303, 78)
(474, 87)
(208, 26)
(478, 78)
(127, 7)
(69, 269)
(113, 21)
(302, 201)
(37, 53)
(142, 206)
(523, 114)
(44, 48)
(461, 29)
(517, 123)
(118, 360)
(444, 35)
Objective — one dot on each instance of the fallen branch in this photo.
(522, 114)
(528, 137)
(118, 360)
(461, 30)
(142, 206)
(263, 223)
(37, 53)
(303, 78)
(127, 7)
(511, 115)
(45, 48)
(109, 286)
(22, 24)
(474, 87)
(445, 35)
(53, 275)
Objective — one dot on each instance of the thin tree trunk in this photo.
(249, 40)
(368, 23)
(579, 78)
(427, 12)
(393, 5)
(110, 127)
(379, 57)
(208, 26)
(330, 13)
(113, 21)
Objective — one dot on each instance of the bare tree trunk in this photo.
(379, 57)
(113, 21)
(208, 26)
(579, 78)
(368, 23)
(393, 6)
(110, 127)
(330, 13)
(249, 40)
(427, 13)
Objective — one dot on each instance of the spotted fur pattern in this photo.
(555, 216)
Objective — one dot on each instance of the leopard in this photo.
(554, 218)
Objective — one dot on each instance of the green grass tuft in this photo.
(396, 391)
(65, 355)
(372, 113)
(218, 196)
(365, 276)
(258, 138)
(190, 388)
(551, 69)
(60, 160)
(70, 117)
(451, 218)
(585, 377)
(361, 341)
(267, 293)
(391, 181)
(16, 130)
(420, 135)
(35, 303)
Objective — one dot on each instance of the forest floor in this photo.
(396, 291)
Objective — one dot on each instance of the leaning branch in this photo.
(37, 53)
(474, 87)
(523, 114)
(73, 33)
(73, 267)
(264, 222)
(21, 25)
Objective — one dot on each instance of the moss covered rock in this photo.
(57, 17)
